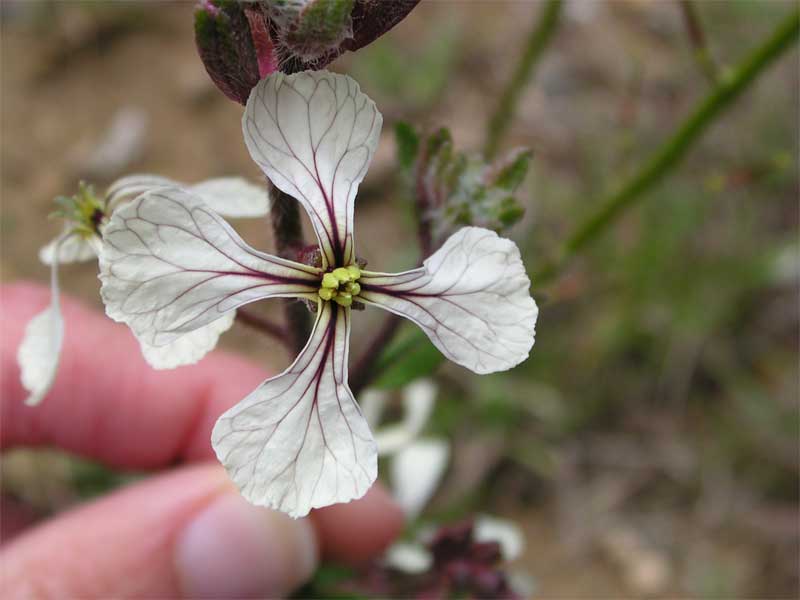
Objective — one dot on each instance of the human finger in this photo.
(106, 402)
(183, 534)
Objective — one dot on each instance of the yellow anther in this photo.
(343, 299)
(354, 271)
(340, 285)
(326, 293)
(329, 280)
(342, 274)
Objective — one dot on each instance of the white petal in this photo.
(504, 532)
(314, 134)
(233, 197)
(74, 248)
(416, 471)
(299, 441)
(190, 348)
(170, 265)
(418, 399)
(408, 557)
(228, 196)
(130, 186)
(40, 351)
(470, 298)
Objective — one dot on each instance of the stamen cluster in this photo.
(341, 285)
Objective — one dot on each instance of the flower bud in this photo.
(234, 44)
(242, 41)
(312, 29)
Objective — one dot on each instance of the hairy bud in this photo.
(242, 41)
(234, 44)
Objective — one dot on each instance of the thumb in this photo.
(183, 534)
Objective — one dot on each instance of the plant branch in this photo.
(675, 148)
(538, 39)
(697, 37)
(288, 230)
(264, 325)
(364, 371)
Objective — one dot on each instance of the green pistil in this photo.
(340, 285)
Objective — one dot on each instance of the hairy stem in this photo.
(264, 325)
(675, 148)
(364, 371)
(539, 37)
(697, 37)
(288, 230)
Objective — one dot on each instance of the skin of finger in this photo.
(124, 544)
(341, 527)
(107, 403)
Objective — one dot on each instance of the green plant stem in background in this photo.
(720, 97)
(662, 162)
(506, 109)
(697, 37)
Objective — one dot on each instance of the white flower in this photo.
(170, 265)
(417, 466)
(80, 241)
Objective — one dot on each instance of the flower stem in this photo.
(288, 230)
(675, 148)
(537, 41)
(364, 370)
(259, 323)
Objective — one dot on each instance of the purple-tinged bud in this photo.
(242, 41)
(266, 56)
(234, 44)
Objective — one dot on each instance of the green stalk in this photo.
(719, 98)
(507, 106)
(697, 37)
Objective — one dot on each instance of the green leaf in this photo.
(510, 211)
(407, 142)
(512, 169)
(439, 140)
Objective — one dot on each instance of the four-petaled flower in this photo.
(170, 265)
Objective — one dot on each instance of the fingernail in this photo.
(232, 549)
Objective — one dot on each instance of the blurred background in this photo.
(649, 446)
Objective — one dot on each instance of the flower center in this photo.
(341, 285)
(85, 211)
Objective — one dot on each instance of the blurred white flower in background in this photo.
(417, 465)
(85, 216)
